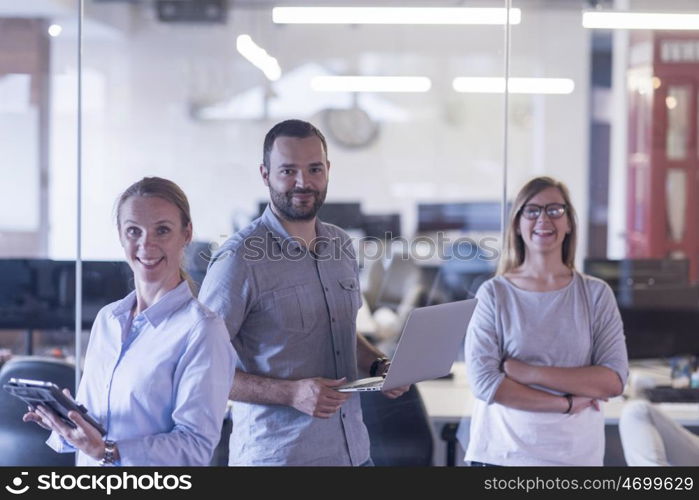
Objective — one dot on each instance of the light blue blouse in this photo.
(158, 384)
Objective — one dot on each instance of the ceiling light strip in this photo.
(640, 20)
(496, 85)
(371, 84)
(393, 15)
(258, 57)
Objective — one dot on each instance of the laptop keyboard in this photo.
(667, 394)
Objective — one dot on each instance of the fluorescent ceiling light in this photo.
(371, 84)
(393, 15)
(55, 30)
(640, 21)
(258, 57)
(516, 85)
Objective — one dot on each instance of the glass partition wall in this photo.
(622, 135)
(38, 148)
(188, 93)
(38, 116)
(423, 166)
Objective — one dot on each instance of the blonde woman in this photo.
(545, 345)
(159, 365)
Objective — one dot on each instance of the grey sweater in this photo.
(578, 325)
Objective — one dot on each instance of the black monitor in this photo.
(104, 282)
(344, 215)
(383, 226)
(647, 283)
(18, 298)
(658, 305)
(460, 279)
(40, 293)
(657, 333)
(639, 272)
(35, 295)
(470, 216)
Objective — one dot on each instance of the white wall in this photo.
(556, 144)
(139, 124)
(19, 148)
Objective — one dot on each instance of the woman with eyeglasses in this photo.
(545, 345)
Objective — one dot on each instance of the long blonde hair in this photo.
(168, 191)
(513, 252)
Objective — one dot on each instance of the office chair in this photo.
(399, 429)
(401, 292)
(401, 287)
(375, 274)
(25, 443)
(460, 280)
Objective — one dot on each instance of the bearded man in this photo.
(287, 287)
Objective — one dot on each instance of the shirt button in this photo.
(344, 415)
(337, 352)
(333, 320)
(326, 288)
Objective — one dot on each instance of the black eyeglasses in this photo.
(553, 210)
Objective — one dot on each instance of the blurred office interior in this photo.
(96, 94)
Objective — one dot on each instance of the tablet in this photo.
(36, 392)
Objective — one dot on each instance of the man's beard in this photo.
(284, 204)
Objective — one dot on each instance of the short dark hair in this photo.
(290, 128)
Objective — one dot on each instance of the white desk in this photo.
(449, 400)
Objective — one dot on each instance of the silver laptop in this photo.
(430, 342)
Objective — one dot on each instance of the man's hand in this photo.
(317, 397)
(85, 437)
(397, 392)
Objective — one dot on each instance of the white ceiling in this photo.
(53, 8)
